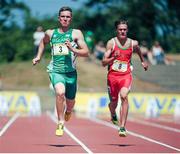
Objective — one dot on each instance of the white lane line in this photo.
(135, 134)
(71, 135)
(9, 123)
(154, 125)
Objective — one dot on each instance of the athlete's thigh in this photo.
(71, 85)
(125, 84)
(58, 82)
(113, 88)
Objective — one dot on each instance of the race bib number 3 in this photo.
(120, 66)
(60, 49)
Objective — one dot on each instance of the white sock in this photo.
(61, 122)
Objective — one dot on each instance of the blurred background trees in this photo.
(148, 20)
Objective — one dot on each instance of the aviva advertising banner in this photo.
(151, 104)
(24, 102)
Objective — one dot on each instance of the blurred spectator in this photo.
(37, 36)
(99, 50)
(159, 55)
(147, 54)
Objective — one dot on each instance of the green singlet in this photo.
(62, 67)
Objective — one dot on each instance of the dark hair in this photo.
(65, 8)
(118, 22)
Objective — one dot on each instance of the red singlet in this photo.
(119, 73)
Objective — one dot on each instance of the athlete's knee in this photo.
(114, 99)
(124, 93)
(124, 97)
(113, 103)
(60, 91)
(70, 101)
(60, 94)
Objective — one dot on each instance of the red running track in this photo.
(36, 135)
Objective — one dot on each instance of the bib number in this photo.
(60, 49)
(120, 66)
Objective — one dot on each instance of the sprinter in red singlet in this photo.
(118, 58)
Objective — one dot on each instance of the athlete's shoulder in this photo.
(134, 42)
(110, 44)
(111, 41)
(76, 31)
(49, 32)
(77, 34)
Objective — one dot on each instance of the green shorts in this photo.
(68, 79)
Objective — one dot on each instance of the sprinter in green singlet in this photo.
(66, 45)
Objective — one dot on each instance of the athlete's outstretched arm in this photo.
(42, 44)
(138, 51)
(107, 59)
(78, 37)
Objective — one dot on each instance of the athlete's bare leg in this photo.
(112, 107)
(69, 107)
(60, 101)
(70, 104)
(124, 106)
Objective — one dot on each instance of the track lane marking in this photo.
(9, 123)
(154, 125)
(53, 118)
(134, 134)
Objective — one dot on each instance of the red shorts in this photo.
(115, 83)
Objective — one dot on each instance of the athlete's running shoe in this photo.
(122, 132)
(67, 116)
(60, 129)
(114, 119)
